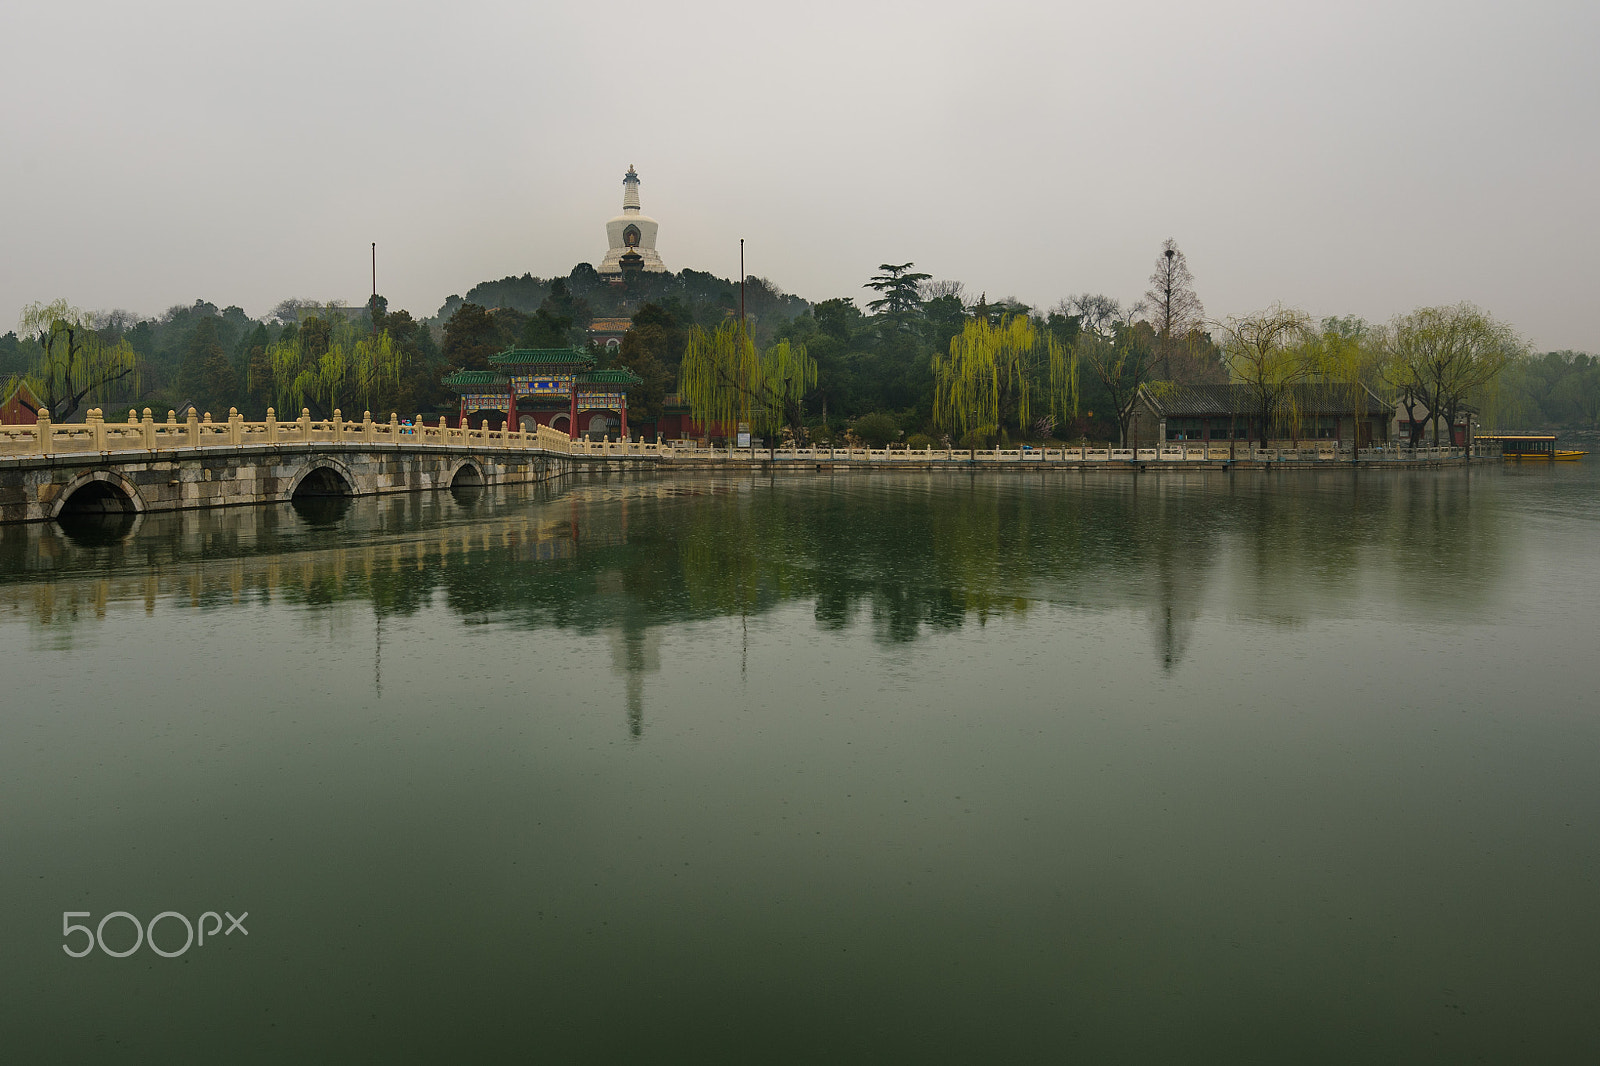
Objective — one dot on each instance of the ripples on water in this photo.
(1177, 768)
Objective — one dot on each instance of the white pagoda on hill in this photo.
(631, 231)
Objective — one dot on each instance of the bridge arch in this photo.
(323, 477)
(98, 492)
(467, 473)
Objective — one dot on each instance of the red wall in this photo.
(14, 413)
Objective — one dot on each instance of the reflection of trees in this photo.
(1318, 549)
(1179, 546)
(912, 552)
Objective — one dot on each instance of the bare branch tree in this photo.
(1115, 348)
(1096, 312)
(1176, 311)
(933, 290)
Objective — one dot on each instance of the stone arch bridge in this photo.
(99, 467)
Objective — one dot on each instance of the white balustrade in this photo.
(141, 432)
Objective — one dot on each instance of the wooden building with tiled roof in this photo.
(1312, 411)
(556, 387)
(607, 333)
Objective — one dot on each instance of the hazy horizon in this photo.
(1365, 160)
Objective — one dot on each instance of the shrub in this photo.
(983, 438)
(876, 429)
(919, 441)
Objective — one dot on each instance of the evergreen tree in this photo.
(470, 337)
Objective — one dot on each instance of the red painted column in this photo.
(624, 406)
(462, 422)
(572, 424)
(511, 412)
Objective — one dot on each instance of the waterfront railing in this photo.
(1169, 455)
(142, 433)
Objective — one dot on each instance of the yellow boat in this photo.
(1537, 446)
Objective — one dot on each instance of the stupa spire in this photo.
(633, 232)
(630, 190)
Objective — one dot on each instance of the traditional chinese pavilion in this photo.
(555, 387)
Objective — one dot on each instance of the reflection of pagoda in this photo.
(632, 236)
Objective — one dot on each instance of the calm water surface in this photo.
(1192, 768)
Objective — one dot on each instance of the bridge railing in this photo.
(141, 432)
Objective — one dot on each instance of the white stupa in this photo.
(631, 231)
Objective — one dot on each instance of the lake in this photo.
(1053, 766)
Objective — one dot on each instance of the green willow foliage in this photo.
(997, 372)
(1269, 353)
(1347, 358)
(1443, 359)
(348, 370)
(76, 362)
(724, 379)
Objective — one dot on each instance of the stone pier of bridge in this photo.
(37, 488)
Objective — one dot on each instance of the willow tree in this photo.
(1269, 353)
(76, 361)
(997, 373)
(1441, 358)
(725, 379)
(336, 368)
(1347, 360)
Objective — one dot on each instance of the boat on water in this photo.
(1535, 446)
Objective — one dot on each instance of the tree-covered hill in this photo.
(895, 349)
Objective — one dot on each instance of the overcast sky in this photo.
(1347, 158)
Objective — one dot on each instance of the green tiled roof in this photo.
(531, 356)
(475, 377)
(619, 376)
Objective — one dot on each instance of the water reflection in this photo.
(95, 529)
(321, 511)
(467, 494)
(903, 555)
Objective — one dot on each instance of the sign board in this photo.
(744, 434)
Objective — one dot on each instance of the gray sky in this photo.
(1351, 158)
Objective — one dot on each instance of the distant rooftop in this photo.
(1210, 401)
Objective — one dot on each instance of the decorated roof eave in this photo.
(542, 356)
(617, 376)
(474, 377)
